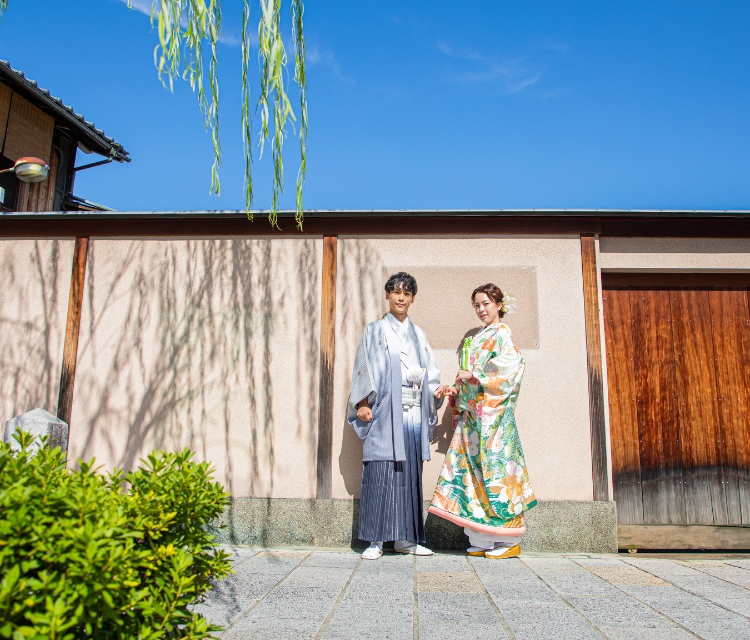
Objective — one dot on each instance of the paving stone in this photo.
(243, 587)
(719, 592)
(729, 573)
(568, 578)
(377, 630)
(267, 565)
(223, 614)
(283, 553)
(664, 569)
(379, 595)
(455, 607)
(329, 577)
(290, 594)
(331, 559)
(296, 603)
(619, 611)
(700, 616)
(238, 556)
(378, 613)
(503, 570)
(444, 582)
(597, 561)
(381, 617)
(443, 630)
(622, 633)
(545, 621)
(531, 593)
(625, 574)
(442, 563)
(272, 629)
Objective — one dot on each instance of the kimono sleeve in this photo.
(362, 387)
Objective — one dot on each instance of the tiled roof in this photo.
(88, 134)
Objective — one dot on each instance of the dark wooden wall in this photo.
(678, 361)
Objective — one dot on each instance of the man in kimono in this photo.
(395, 394)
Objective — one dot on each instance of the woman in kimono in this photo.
(484, 485)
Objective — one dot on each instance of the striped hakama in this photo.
(390, 504)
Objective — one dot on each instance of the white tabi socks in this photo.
(373, 552)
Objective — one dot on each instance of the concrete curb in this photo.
(564, 527)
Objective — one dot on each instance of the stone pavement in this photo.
(333, 594)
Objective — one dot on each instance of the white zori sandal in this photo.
(402, 546)
(373, 552)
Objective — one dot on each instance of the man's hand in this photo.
(364, 414)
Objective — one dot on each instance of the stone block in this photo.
(455, 607)
(559, 527)
(249, 628)
(38, 422)
(442, 630)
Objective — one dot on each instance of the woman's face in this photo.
(486, 308)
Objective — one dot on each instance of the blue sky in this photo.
(493, 104)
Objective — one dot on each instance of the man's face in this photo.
(399, 301)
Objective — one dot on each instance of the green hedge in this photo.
(91, 555)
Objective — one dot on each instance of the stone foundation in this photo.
(565, 526)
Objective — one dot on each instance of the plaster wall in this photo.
(674, 254)
(211, 344)
(33, 308)
(552, 413)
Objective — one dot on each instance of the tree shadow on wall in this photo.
(32, 329)
(187, 361)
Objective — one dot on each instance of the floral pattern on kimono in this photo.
(484, 477)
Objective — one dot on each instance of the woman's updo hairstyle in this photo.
(493, 292)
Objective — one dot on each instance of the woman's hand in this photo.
(465, 376)
(445, 390)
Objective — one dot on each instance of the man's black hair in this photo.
(403, 280)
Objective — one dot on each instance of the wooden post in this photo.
(73, 324)
(594, 358)
(327, 352)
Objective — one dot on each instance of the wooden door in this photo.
(678, 360)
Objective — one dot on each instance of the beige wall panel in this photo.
(33, 310)
(674, 254)
(553, 418)
(211, 344)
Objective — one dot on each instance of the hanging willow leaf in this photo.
(247, 122)
(301, 78)
(273, 97)
(182, 27)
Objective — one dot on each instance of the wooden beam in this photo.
(594, 357)
(675, 536)
(327, 352)
(359, 224)
(73, 324)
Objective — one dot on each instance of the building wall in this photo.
(544, 273)
(674, 254)
(33, 309)
(211, 344)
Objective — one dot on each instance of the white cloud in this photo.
(326, 58)
(511, 74)
(144, 6)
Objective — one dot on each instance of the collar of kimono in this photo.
(399, 328)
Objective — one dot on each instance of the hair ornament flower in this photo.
(509, 303)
